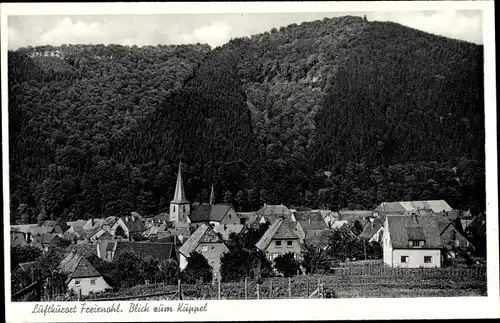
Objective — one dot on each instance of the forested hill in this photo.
(334, 113)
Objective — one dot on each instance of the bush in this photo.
(287, 264)
(197, 269)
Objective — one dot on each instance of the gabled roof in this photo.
(85, 250)
(161, 217)
(279, 209)
(204, 234)
(338, 224)
(310, 220)
(403, 228)
(27, 266)
(353, 215)
(77, 266)
(281, 229)
(160, 251)
(207, 212)
(371, 228)
(436, 206)
(40, 230)
(445, 226)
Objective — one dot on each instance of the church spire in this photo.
(179, 196)
(212, 196)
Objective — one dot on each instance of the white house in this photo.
(83, 278)
(411, 241)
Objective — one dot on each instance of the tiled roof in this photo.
(403, 228)
(77, 266)
(353, 215)
(78, 223)
(207, 212)
(161, 217)
(85, 250)
(281, 229)
(26, 266)
(310, 220)
(371, 228)
(435, 206)
(274, 210)
(204, 234)
(226, 229)
(40, 230)
(160, 251)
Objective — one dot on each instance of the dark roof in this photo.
(403, 228)
(204, 234)
(77, 266)
(160, 251)
(281, 229)
(85, 250)
(310, 220)
(207, 212)
(371, 228)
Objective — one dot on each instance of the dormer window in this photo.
(416, 243)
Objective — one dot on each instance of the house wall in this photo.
(230, 218)
(378, 235)
(179, 212)
(212, 253)
(416, 258)
(272, 251)
(85, 285)
(182, 262)
(387, 245)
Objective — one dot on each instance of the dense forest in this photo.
(337, 113)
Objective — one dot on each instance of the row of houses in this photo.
(412, 233)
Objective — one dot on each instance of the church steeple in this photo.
(180, 208)
(212, 196)
(179, 196)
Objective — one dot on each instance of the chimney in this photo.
(93, 221)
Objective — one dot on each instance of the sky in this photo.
(213, 29)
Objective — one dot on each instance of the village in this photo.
(407, 235)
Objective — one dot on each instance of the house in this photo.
(214, 214)
(208, 243)
(26, 267)
(275, 210)
(328, 216)
(159, 221)
(25, 229)
(417, 207)
(45, 241)
(17, 238)
(310, 224)
(247, 217)
(373, 230)
(411, 241)
(280, 238)
(132, 224)
(351, 216)
(111, 250)
(226, 229)
(83, 278)
(452, 235)
(338, 224)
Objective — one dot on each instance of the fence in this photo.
(345, 281)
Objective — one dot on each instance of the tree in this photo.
(197, 269)
(129, 270)
(228, 197)
(287, 264)
(169, 272)
(48, 267)
(107, 269)
(241, 200)
(237, 264)
(357, 228)
(343, 245)
(316, 258)
(21, 254)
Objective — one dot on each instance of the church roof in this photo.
(179, 197)
(207, 212)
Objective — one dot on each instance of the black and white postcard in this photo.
(249, 161)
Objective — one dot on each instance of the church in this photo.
(211, 213)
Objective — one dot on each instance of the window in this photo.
(289, 243)
(415, 243)
(92, 282)
(427, 259)
(405, 259)
(77, 283)
(213, 248)
(457, 243)
(204, 248)
(278, 244)
(174, 208)
(184, 208)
